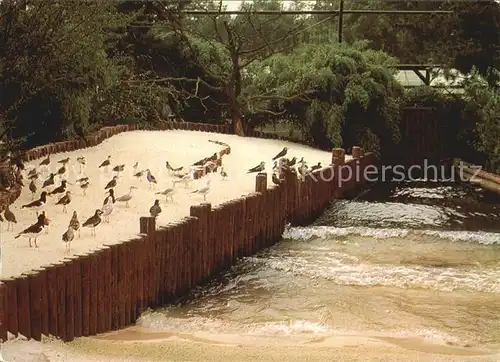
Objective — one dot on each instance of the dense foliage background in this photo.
(69, 67)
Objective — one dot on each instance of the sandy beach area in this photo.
(151, 149)
(135, 346)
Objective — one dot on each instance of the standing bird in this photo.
(168, 193)
(93, 221)
(84, 186)
(316, 167)
(82, 162)
(10, 217)
(150, 177)
(281, 154)
(64, 161)
(32, 187)
(32, 172)
(155, 210)
(62, 170)
(303, 170)
(111, 183)
(260, 167)
(118, 169)
(49, 181)
(34, 231)
(34, 176)
(82, 180)
(111, 195)
(59, 189)
(136, 166)
(203, 191)
(46, 161)
(68, 237)
(107, 207)
(138, 175)
(292, 162)
(65, 200)
(127, 197)
(223, 173)
(169, 168)
(186, 179)
(74, 223)
(276, 179)
(37, 204)
(106, 162)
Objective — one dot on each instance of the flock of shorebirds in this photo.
(299, 167)
(102, 214)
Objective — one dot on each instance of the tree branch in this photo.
(177, 79)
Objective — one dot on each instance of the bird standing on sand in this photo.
(186, 179)
(155, 210)
(93, 221)
(106, 163)
(150, 177)
(68, 237)
(260, 167)
(203, 191)
(127, 197)
(282, 153)
(136, 166)
(59, 189)
(139, 174)
(107, 207)
(10, 217)
(65, 200)
(64, 161)
(84, 186)
(169, 168)
(62, 170)
(34, 176)
(316, 167)
(223, 173)
(74, 223)
(49, 181)
(119, 169)
(37, 204)
(111, 195)
(111, 183)
(82, 162)
(168, 193)
(82, 180)
(32, 187)
(46, 161)
(34, 231)
(32, 172)
(292, 162)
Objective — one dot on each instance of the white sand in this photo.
(175, 348)
(151, 149)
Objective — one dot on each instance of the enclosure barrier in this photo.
(108, 289)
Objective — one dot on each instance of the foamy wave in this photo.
(325, 232)
(160, 321)
(401, 276)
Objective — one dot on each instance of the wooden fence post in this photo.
(23, 306)
(35, 287)
(261, 182)
(3, 312)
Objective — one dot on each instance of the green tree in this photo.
(337, 94)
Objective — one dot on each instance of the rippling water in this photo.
(402, 260)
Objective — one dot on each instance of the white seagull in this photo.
(127, 197)
(204, 190)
